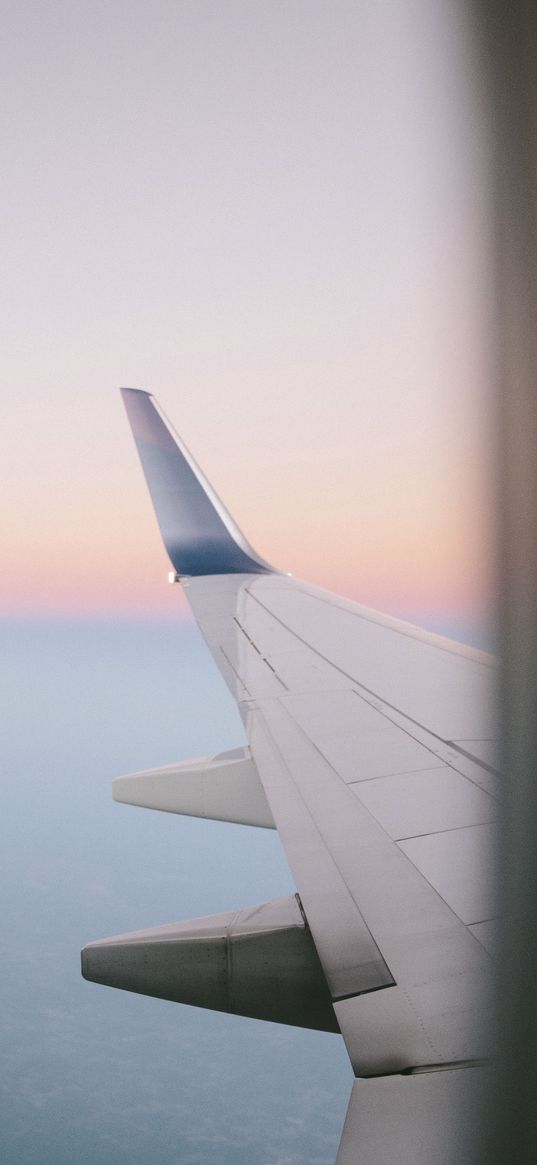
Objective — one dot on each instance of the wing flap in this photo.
(428, 1118)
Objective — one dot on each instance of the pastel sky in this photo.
(273, 215)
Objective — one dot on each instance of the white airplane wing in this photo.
(371, 750)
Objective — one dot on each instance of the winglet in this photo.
(198, 532)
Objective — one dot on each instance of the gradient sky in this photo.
(273, 216)
(99, 1077)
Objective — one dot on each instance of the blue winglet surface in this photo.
(199, 534)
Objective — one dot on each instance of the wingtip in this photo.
(139, 391)
(198, 532)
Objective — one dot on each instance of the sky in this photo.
(274, 216)
(102, 1077)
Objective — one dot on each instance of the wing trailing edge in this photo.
(432, 1117)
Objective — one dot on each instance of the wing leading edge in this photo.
(372, 743)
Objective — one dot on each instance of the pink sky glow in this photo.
(274, 217)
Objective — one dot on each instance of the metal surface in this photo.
(413, 804)
(379, 915)
(448, 689)
(259, 962)
(373, 743)
(223, 788)
(199, 534)
(459, 864)
(430, 1118)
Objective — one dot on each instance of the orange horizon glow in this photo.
(414, 548)
(132, 584)
(295, 261)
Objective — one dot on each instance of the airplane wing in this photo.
(371, 750)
